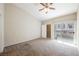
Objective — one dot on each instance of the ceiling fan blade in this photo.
(51, 8)
(51, 3)
(42, 4)
(41, 9)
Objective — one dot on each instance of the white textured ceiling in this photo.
(60, 9)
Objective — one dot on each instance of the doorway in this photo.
(48, 30)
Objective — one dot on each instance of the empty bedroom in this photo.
(39, 29)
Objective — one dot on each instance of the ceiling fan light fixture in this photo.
(46, 10)
(47, 7)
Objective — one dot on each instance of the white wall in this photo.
(77, 41)
(1, 27)
(20, 26)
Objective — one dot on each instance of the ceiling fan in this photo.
(47, 7)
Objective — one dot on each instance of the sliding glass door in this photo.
(64, 31)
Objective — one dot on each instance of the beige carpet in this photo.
(40, 47)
